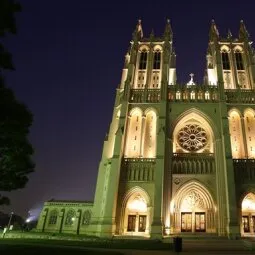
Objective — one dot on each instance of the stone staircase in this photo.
(215, 244)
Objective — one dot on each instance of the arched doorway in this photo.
(193, 210)
(136, 213)
(248, 214)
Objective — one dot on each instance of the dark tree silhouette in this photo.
(15, 118)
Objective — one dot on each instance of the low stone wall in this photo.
(52, 236)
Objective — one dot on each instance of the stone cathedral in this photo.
(178, 158)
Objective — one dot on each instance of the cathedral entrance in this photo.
(248, 215)
(192, 210)
(136, 223)
(200, 222)
(188, 224)
(186, 219)
(136, 215)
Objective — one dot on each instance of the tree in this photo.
(15, 117)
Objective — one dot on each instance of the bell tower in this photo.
(230, 61)
(132, 169)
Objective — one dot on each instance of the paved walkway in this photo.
(207, 247)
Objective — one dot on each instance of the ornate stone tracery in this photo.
(193, 200)
(192, 137)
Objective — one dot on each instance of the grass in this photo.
(76, 247)
(41, 250)
(96, 243)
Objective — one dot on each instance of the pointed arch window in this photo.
(143, 60)
(236, 135)
(249, 124)
(178, 95)
(133, 137)
(207, 95)
(70, 217)
(86, 217)
(225, 60)
(149, 142)
(192, 95)
(157, 59)
(53, 217)
(239, 60)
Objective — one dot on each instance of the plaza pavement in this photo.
(204, 247)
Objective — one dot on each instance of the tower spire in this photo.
(243, 33)
(229, 34)
(152, 35)
(214, 33)
(138, 33)
(168, 30)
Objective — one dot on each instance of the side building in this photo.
(178, 157)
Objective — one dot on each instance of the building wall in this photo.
(65, 217)
(178, 157)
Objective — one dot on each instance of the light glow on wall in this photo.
(137, 204)
(249, 121)
(248, 204)
(212, 77)
(235, 129)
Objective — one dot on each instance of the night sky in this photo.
(69, 57)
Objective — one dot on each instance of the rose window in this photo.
(192, 137)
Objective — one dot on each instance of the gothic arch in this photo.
(232, 110)
(149, 139)
(53, 216)
(134, 133)
(236, 133)
(186, 189)
(134, 190)
(238, 48)
(247, 208)
(249, 128)
(133, 110)
(70, 217)
(193, 209)
(245, 193)
(197, 114)
(224, 48)
(201, 121)
(149, 109)
(144, 48)
(135, 206)
(249, 109)
(86, 217)
(157, 48)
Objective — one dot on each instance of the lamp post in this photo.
(9, 223)
(8, 226)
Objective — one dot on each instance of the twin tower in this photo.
(178, 157)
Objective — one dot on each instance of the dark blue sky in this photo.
(69, 56)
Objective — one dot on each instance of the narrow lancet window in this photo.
(239, 60)
(225, 60)
(143, 60)
(156, 60)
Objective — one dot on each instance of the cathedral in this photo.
(178, 158)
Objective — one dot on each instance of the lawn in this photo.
(26, 247)
(48, 247)
(40, 250)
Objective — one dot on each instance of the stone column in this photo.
(246, 155)
(156, 227)
(225, 182)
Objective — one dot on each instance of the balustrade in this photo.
(138, 169)
(193, 163)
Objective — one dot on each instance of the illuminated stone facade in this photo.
(178, 157)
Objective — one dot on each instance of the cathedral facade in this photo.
(178, 158)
